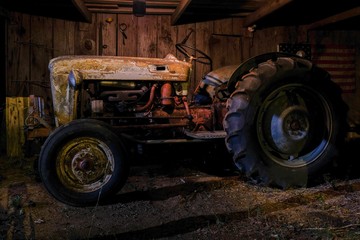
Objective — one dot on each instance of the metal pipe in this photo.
(150, 101)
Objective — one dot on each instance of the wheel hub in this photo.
(295, 122)
(84, 162)
(87, 165)
(84, 165)
(290, 129)
(295, 126)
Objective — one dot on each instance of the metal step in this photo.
(218, 134)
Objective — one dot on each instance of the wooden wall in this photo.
(32, 41)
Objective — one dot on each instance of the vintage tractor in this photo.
(281, 118)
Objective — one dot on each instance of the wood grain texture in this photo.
(147, 36)
(16, 111)
(18, 55)
(127, 46)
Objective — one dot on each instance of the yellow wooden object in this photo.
(16, 111)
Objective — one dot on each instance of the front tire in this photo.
(285, 123)
(83, 163)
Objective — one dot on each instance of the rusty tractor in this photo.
(280, 117)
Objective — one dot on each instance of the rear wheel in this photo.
(83, 162)
(285, 122)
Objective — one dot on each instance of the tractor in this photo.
(280, 117)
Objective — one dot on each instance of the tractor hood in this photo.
(67, 72)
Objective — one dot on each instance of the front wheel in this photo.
(83, 163)
(287, 128)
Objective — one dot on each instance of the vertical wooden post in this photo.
(16, 111)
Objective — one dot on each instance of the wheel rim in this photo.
(294, 125)
(85, 164)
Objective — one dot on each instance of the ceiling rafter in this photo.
(262, 13)
(125, 6)
(265, 10)
(355, 12)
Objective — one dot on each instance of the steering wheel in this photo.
(202, 58)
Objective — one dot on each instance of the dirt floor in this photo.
(183, 198)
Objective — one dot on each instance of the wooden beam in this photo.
(79, 4)
(265, 10)
(333, 19)
(151, 4)
(108, 6)
(121, 2)
(129, 10)
(16, 112)
(179, 11)
(101, 1)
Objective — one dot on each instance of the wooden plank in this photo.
(225, 43)
(166, 37)
(108, 25)
(101, 2)
(203, 35)
(105, 6)
(223, 26)
(147, 35)
(128, 47)
(222, 44)
(238, 28)
(157, 3)
(179, 11)
(269, 7)
(129, 10)
(63, 40)
(225, 50)
(16, 110)
(18, 55)
(186, 32)
(41, 52)
(85, 39)
(152, 4)
(12, 130)
(116, 4)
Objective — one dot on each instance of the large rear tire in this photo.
(285, 122)
(83, 163)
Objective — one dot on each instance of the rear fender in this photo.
(246, 66)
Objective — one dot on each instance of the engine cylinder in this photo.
(166, 95)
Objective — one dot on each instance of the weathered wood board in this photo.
(16, 112)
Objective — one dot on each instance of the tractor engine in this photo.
(144, 105)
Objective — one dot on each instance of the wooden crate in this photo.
(16, 111)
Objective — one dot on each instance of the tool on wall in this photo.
(123, 27)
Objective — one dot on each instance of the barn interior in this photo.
(230, 32)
